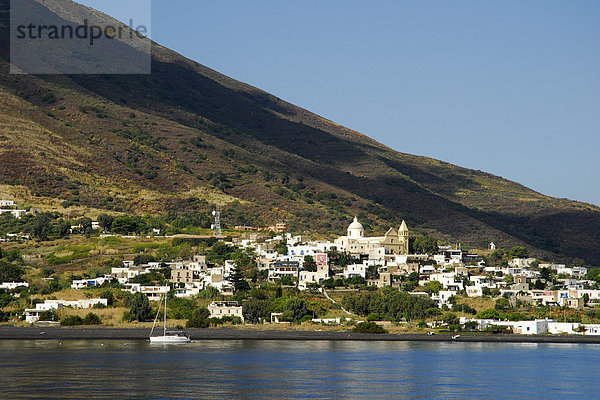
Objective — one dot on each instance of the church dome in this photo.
(355, 229)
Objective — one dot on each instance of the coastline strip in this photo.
(94, 333)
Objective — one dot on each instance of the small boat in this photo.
(454, 337)
(167, 336)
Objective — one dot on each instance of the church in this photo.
(355, 242)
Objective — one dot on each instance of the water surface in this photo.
(296, 369)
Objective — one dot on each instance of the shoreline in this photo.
(101, 333)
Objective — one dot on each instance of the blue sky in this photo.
(508, 87)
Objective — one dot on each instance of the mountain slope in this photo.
(186, 137)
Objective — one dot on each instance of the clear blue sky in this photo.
(510, 87)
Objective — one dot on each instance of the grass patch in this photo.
(110, 241)
(67, 254)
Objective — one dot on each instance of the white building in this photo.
(33, 314)
(153, 292)
(220, 309)
(12, 285)
(443, 297)
(124, 274)
(83, 283)
(521, 262)
(355, 270)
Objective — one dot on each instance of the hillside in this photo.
(187, 137)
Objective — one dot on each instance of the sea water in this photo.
(211, 369)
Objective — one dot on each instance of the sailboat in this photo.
(167, 336)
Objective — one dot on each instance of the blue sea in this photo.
(212, 369)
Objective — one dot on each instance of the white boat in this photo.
(167, 336)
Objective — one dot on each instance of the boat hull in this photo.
(169, 339)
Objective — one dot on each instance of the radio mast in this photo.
(217, 225)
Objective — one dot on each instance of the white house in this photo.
(307, 277)
(12, 285)
(153, 292)
(521, 262)
(443, 297)
(33, 314)
(124, 274)
(355, 270)
(220, 309)
(83, 283)
(560, 328)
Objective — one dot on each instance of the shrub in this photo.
(374, 317)
(91, 319)
(128, 316)
(71, 320)
(199, 319)
(490, 313)
(368, 327)
(464, 308)
(502, 304)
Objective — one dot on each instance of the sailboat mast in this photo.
(165, 331)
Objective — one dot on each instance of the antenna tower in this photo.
(217, 225)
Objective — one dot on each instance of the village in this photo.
(344, 272)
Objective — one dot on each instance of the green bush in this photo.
(91, 319)
(71, 320)
(49, 315)
(199, 319)
(374, 317)
(128, 316)
(368, 327)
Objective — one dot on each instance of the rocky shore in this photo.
(102, 333)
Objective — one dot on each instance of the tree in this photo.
(281, 248)
(373, 272)
(310, 264)
(105, 221)
(435, 286)
(424, 244)
(488, 314)
(48, 315)
(91, 319)
(126, 225)
(109, 296)
(518, 252)
(546, 273)
(539, 284)
(294, 310)
(199, 319)
(140, 307)
(593, 274)
(237, 280)
(502, 304)
(42, 226)
(86, 226)
(255, 310)
(10, 272)
(368, 327)
(63, 228)
(413, 277)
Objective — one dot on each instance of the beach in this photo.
(8, 332)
